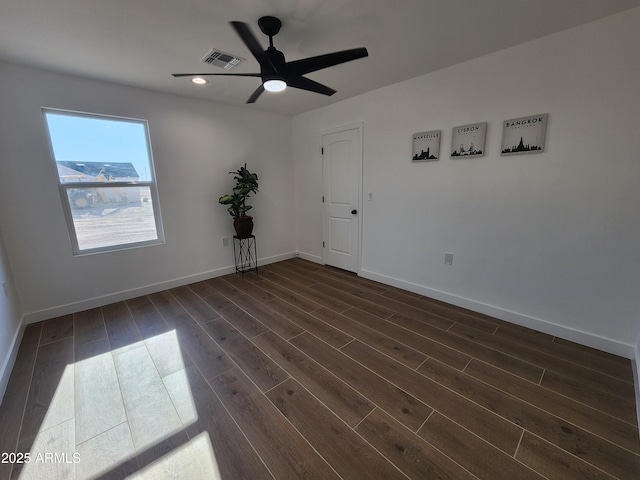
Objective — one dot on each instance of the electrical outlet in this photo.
(225, 241)
(448, 258)
(370, 196)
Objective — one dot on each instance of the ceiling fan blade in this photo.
(243, 30)
(311, 64)
(310, 85)
(222, 74)
(254, 96)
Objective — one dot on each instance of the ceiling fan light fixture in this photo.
(275, 85)
(198, 80)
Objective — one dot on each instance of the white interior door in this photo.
(342, 186)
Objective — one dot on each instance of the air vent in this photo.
(221, 59)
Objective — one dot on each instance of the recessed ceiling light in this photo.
(198, 80)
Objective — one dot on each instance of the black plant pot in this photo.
(243, 226)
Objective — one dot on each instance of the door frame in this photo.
(352, 126)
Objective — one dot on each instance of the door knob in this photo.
(353, 212)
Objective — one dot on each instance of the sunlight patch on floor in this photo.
(114, 406)
(192, 460)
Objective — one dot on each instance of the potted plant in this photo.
(246, 184)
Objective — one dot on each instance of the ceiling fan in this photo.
(275, 72)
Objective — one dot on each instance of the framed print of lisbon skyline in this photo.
(426, 146)
(524, 135)
(468, 140)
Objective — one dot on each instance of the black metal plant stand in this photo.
(244, 251)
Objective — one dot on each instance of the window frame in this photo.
(64, 187)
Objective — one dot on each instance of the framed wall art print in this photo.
(468, 140)
(426, 146)
(524, 135)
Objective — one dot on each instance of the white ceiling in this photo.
(141, 42)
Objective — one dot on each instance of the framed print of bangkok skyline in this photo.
(468, 140)
(524, 135)
(426, 146)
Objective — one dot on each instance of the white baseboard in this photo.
(584, 338)
(10, 359)
(308, 256)
(102, 300)
(636, 378)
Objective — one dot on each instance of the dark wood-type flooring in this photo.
(306, 371)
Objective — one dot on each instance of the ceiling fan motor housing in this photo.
(277, 62)
(270, 26)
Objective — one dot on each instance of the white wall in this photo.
(547, 240)
(194, 145)
(636, 372)
(10, 319)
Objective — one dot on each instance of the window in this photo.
(106, 180)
